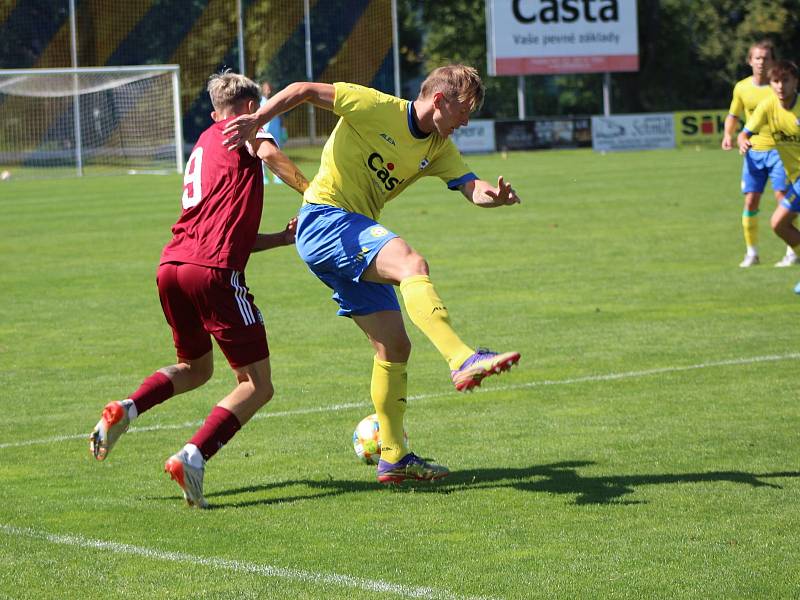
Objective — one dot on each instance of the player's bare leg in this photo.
(187, 467)
(398, 263)
(790, 258)
(118, 414)
(782, 222)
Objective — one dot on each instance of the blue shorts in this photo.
(760, 164)
(338, 246)
(792, 199)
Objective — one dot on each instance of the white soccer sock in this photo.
(130, 406)
(193, 456)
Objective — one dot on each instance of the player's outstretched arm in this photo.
(267, 241)
(282, 166)
(244, 127)
(482, 193)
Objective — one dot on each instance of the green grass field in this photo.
(645, 447)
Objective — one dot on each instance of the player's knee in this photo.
(199, 374)
(263, 391)
(416, 265)
(779, 223)
(399, 350)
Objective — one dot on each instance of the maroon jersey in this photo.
(222, 201)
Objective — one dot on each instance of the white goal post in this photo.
(90, 120)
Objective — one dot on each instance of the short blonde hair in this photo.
(455, 82)
(763, 45)
(227, 88)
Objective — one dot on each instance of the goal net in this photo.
(90, 121)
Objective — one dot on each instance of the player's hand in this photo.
(238, 131)
(289, 232)
(727, 142)
(744, 143)
(503, 194)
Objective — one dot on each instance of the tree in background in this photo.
(690, 52)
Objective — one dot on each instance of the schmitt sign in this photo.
(561, 36)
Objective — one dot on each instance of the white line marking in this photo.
(449, 392)
(347, 581)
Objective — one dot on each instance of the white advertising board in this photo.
(633, 132)
(478, 136)
(561, 36)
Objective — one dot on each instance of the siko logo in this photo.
(383, 170)
(702, 124)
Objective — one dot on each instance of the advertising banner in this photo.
(561, 36)
(540, 134)
(633, 132)
(478, 136)
(700, 128)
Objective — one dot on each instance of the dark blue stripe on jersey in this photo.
(28, 30)
(454, 184)
(412, 124)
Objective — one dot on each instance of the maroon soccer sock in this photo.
(220, 426)
(154, 390)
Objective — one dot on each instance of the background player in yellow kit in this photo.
(781, 114)
(380, 146)
(762, 161)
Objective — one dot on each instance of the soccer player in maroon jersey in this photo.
(202, 287)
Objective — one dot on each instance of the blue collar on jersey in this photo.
(412, 125)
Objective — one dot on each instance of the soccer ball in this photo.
(5, 175)
(367, 440)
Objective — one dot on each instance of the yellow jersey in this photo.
(746, 96)
(785, 126)
(376, 151)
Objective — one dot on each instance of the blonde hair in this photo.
(763, 45)
(458, 82)
(227, 88)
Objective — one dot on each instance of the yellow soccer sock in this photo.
(750, 227)
(388, 390)
(428, 312)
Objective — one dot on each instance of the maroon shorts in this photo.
(199, 302)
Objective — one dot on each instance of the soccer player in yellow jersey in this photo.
(762, 161)
(380, 146)
(781, 113)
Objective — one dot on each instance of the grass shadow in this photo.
(556, 478)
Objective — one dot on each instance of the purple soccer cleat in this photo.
(480, 365)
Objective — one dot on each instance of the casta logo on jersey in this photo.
(785, 138)
(383, 170)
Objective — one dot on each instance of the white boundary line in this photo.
(495, 388)
(297, 575)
